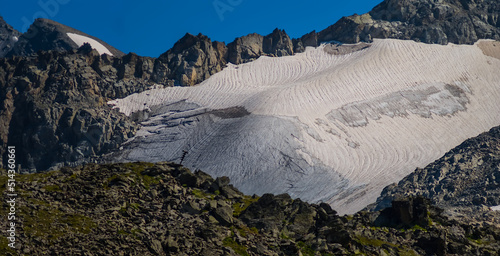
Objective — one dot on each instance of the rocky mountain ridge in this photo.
(165, 209)
(195, 58)
(428, 21)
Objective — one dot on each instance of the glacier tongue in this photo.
(322, 127)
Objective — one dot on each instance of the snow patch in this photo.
(80, 40)
(495, 208)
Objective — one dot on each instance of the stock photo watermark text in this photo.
(223, 6)
(11, 196)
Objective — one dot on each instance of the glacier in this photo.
(323, 127)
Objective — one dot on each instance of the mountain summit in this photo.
(47, 35)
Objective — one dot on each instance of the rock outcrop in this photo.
(192, 60)
(251, 47)
(165, 209)
(8, 37)
(465, 182)
(428, 21)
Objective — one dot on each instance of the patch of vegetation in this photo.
(373, 242)
(407, 252)
(132, 233)
(135, 172)
(239, 207)
(138, 167)
(201, 194)
(3, 180)
(40, 177)
(306, 249)
(417, 227)
(402, 250)
(4, 247)
(238, 248)
(52, 188)
(284, 235)
(245, 231)
(51, 223)
(478, 240)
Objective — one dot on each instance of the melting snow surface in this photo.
(80, 40)
(322, 127)
(496, 208)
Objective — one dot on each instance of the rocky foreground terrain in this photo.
(165, 209)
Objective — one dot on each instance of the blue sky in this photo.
(151, 27)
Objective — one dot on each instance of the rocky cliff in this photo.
(165, 209)
(465, 181)
(54, 104)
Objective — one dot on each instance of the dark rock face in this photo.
(8, 37)
(165, 209)
(192, 60)
(54, 105)
(428, 21)
(46, 35)
(251, 47)
(465, 181)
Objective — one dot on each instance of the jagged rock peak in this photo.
(47, 35)
(192, 60)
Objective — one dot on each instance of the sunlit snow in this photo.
(322, 127)
(80, 40)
